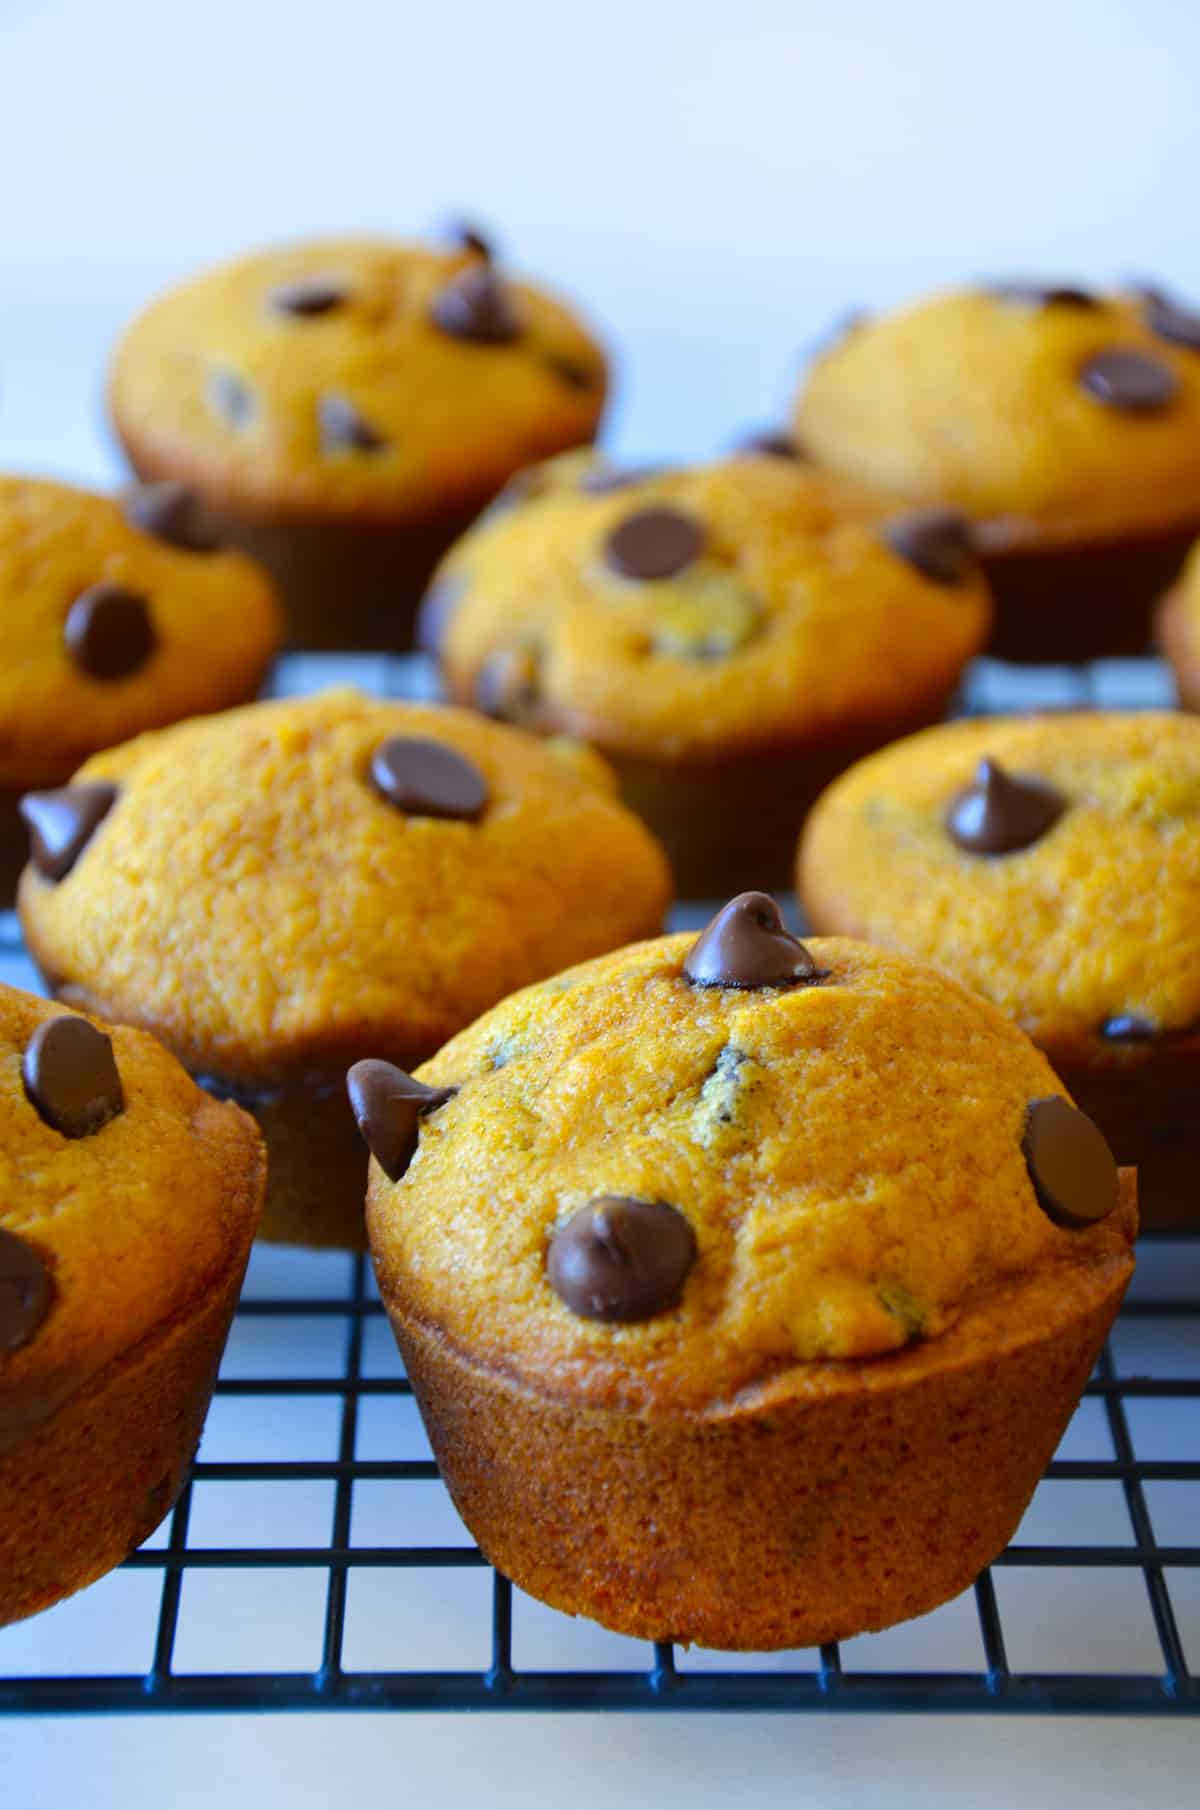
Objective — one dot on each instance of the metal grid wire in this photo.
(989, 1652)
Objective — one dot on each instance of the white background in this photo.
(713, 182)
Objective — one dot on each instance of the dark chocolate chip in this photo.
(109, 632)
(170, 511)
(428, 779)
(999, 812)
(437, 607)
(748, 945)
(475, 305)
(936, 541)
(71, 1076)
(507, 683)
(26, 1291)
(468, 237)
(654, 544)
(344, 428)
(620, 1259)
(62, 823)
(572, 371)
(308, 297)
(1127, 1027)
(1171, 320)
(602, 480)
(1070, 1165)
(771, 444)
(389, 1105)
(1043, 295)
(230, 396)
(1131, 382)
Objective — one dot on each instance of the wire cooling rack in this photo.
(315, 1561)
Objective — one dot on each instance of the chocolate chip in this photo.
(654, 544)
(748, 945)
(507, 684)
(999, 812)
(437, 607)
(428, 779)
(1070, 1165)
(71, 1076)
(170, 511)
(230, 396)
(343, 428)
(62, 823)
(389, 1105)
(602, 480)
(1128, 381)
(475, 305)
(1127, 1027)
(770, 444)
(109, 632)
(1043, 295)
(1171, 320)
(308, 297)
(467, 236)
(936, 541)
(26, 1291)
(620, 1259)
(572, 371)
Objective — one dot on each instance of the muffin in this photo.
(1179, 631)
(343, 409)
(116, 620)
(280, 890)
(746, 1287)
(129, 1202)
(1053, 864)
(1065, 423)
(730, 636)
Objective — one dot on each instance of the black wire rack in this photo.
(1087, 1611)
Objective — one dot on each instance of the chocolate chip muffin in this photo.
(343, 409)
(1178, 627)
(746, 1287)
(117, 619)
(1065, 423)
(729, 636)
(129, 1202)
(280, 890)
(1054, 865)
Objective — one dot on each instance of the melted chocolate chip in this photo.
(1070, 1165)
(109, 632)
(748, 945)
(308, 297)
(620, 1259)
(1131, 382)
(467, 237)
(602, 480)
(170, 511)
(344, 428)
(936, 541)
(71, 1076)
(771, 444)
(428, 779)
(999, 812)
(572, 371)
(507, 684)
(1171, 320)
(62, 823)
(26, 1291)
(654, 544)
(437, 606)
(1127, 1027)
(230, 396)
(389, 1105)
(1043, 295)
(475, 305)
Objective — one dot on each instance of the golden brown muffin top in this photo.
(356, 376)
(846, 1151)
(685, 612)
(118, 1223)
(110, 629)
(255, 898)
(1063, 415)
(1088, 930)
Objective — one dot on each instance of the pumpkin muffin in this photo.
(1179, 631)
(746, 1287)
(281, 890)
(116, 620)
(1054, 865)
(730, 636)
(1065, 423)
(344, 408)
(128, 1205)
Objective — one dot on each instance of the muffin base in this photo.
(1175, 638)
(1144, 1101)
(80, 1490)
(834, 1499)
(1080, 602)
